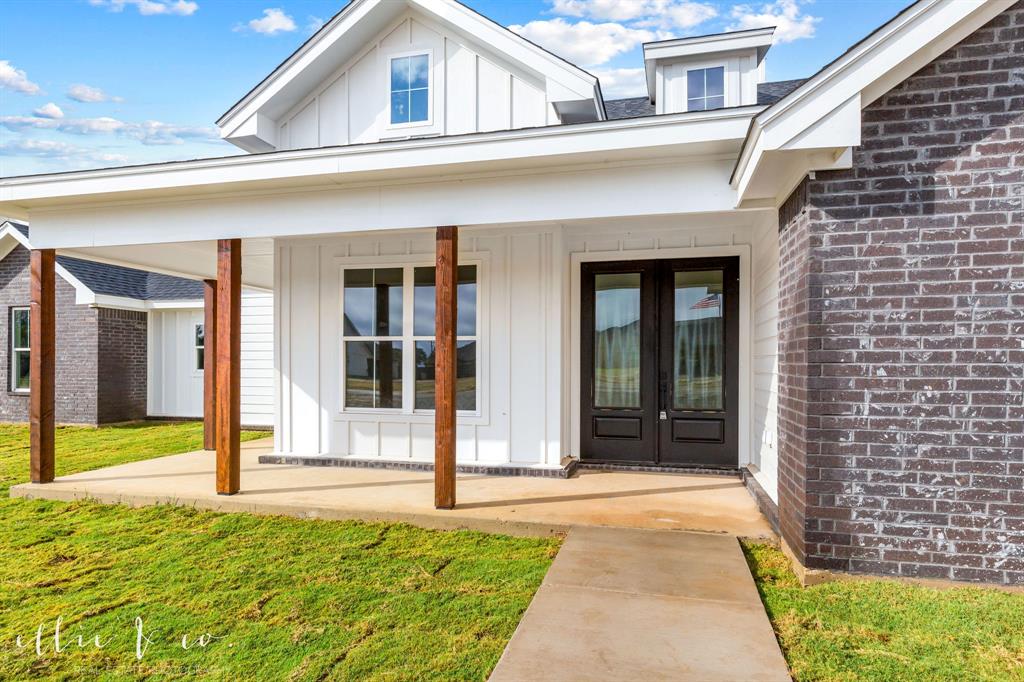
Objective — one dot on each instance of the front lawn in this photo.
(282, 598)
(887, 630)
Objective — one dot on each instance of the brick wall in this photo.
(75, 388)
(902, 343)
(122, 366)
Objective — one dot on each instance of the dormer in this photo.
(396, 69)
(706, 72)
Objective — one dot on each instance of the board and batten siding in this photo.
(529, 331)
(518, 328)
(176, 386)
(472, 90)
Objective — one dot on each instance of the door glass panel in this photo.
(699, 350)
(617, 340)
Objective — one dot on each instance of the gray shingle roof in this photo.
(634, 107)
(628, 108)
(770, 93)
(114, 280)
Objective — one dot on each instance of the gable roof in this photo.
(346, 33)
(105, 279)
(817, 123)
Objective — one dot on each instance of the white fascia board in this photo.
(516, 149)
(176, 304)
(756, 39)
(297, 62)
(869, 69)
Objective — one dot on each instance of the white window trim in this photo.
(388, 58)
(195, 349)
(704, 66)
(11, 363)
(408, 412)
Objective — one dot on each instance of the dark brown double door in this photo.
(660, 362)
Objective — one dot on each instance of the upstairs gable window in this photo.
(705, 89)
(410, 89)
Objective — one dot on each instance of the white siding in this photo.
(176, 386)
(515, 422)
(764, 440)
(529, 304)
(473, 90)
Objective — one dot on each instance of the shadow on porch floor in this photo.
(517, 505)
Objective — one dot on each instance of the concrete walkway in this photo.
(517, 505)
(625, 604)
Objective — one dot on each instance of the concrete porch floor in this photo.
(517, 505)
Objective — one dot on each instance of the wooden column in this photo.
(42, 330)
(445, 284)
(229, 376)
(209, 364)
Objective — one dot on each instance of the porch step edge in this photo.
(661, 469)
(566, 470)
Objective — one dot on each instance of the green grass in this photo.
(888, 630)
(286, 599)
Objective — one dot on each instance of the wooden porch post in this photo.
(228, 369)
(209, 364)
(445, 284)
(42, 355)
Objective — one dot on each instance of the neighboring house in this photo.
(131, 342)
(817, 283)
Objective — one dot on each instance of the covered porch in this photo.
(505, 504)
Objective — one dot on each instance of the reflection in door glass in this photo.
(617, 340)
(699, 353)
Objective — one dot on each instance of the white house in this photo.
(694, 279)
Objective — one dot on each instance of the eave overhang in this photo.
(816, 126)
(676, 136)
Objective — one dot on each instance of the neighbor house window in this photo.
(410, 89)
(19, 349)
(388, 320)
(200, 341)
(705, 89)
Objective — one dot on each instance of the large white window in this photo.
(388, 339)
(19, 349)
(705, 88)
(410, 89)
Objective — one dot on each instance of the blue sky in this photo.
(92, 83)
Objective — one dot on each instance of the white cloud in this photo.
(314, 24)
(69, 153)
(86, 93)
(274, 21)
(663, 13)
(49, 110)
(618, 83)
(583, 43)
(790, 24)
(146, 132)
(182, 8)
(16, 79)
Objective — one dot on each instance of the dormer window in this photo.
(410, 89)
(705, 89)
